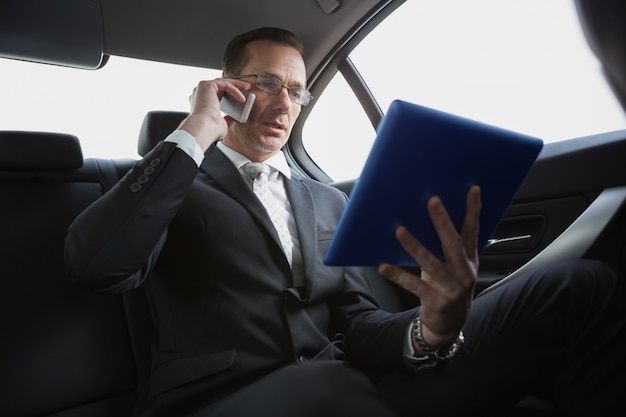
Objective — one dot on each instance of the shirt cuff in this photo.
(409, 351)
(187, 143)
(416, 364)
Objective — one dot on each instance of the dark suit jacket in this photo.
(220, 288)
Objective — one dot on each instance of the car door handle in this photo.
(509, 243)
(576, 240)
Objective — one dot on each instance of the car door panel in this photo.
(531, 226)
(576, 188)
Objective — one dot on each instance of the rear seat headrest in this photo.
(39, 151)
(157, 125)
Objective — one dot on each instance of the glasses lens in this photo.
(273, 85)
(296, 94)
(304, 96)
(268, 83)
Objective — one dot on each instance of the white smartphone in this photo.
(235, 109)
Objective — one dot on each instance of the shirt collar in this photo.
(277, 161)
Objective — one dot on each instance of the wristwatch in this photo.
(439, 354)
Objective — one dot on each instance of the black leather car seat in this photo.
(65, 351)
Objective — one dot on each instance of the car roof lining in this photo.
(185, 32)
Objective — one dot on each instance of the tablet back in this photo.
(419, 153)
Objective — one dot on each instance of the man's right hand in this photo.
(445, 289)
(205, 122)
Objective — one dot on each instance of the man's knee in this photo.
(586, 276)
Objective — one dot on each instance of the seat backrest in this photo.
(156, 126)
(65, 351)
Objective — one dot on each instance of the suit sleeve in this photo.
(375, 337)
(112, 245)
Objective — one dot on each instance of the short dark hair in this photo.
(235, 53)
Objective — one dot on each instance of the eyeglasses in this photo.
(273, 85)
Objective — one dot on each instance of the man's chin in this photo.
(270, 144)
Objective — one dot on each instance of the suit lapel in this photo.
(304, 213)
(318, 282)
(221, 170)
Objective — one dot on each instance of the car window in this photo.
(519, 64)
(337, 133)
(103, 108)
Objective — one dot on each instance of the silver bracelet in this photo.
(440, 353)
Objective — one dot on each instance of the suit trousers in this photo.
(558, 334)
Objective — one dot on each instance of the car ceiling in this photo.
(187, 32)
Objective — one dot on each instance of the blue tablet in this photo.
(419, 153)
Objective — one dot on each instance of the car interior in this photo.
(69, 352)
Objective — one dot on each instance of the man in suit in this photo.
(250, 322)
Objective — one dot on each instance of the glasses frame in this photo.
(306, 94)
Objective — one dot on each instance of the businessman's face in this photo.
(273, 115)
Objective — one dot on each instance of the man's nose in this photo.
(283, 100)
